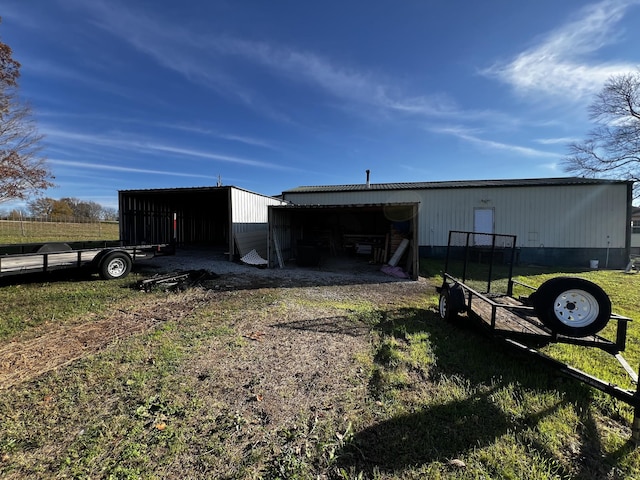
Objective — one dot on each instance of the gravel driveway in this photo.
(331, 271)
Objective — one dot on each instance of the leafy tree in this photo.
(70, 207)
(22, 170)
(612, 148)
(84, 210)
(41, 207)
(61, 210)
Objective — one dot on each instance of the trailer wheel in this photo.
(115, 265)
(451, 302)
(572, 306)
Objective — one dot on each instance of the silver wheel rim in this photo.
(576, 308)
(116, 267)
(443, 306)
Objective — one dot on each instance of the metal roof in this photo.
(527, 182)
(358, 206)
(187, 190)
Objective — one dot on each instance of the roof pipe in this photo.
(368, 184)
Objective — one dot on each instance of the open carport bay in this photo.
(201, 216)
(312, 235)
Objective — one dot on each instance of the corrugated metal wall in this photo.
(561, 216)
(207, 215)
(145, 220)
(280, 246)
(249, 211)
(576, 216)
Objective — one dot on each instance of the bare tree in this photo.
(109, 214)
(22, 170)
(612, 148)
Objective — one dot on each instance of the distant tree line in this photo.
(67, 209)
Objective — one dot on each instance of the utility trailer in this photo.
(478, 280)
(110, 260)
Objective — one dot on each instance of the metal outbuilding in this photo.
(228, 217)
(376, 233)
(557, 221)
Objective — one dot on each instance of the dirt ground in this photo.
(53, 346)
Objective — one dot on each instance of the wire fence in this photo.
(32, 230)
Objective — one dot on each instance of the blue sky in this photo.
(268, 96)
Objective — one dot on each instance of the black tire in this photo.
(572, 306)
(115, 265)
(451, 302)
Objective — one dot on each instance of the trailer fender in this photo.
(53, 247)
(451, 301)
(571, 306)
(113, 263)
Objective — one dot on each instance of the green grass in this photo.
(24, 306)
(455, 395)
(440, 401)
(12, 232)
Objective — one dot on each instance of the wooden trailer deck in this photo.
(506, 314)
(508, 317)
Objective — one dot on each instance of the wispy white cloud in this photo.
(208, 60)
(14, 15)
(184, 127)
(253, 141)
(210, 156)
(556, 141)
(191, 54)
(468, 136)
(553, 166)
(56, 71)
(116, 168)
(340, 81)
(365, 88)
(129, 145)
(562, 64)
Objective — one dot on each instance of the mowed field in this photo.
(273, 376)
(17, 231)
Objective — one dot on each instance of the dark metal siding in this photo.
(202, 216)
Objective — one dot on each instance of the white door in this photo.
(483, 223)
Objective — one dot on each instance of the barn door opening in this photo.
(483, 222)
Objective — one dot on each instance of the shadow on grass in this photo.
(442, 432)
(439, 433)
(71, 275)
